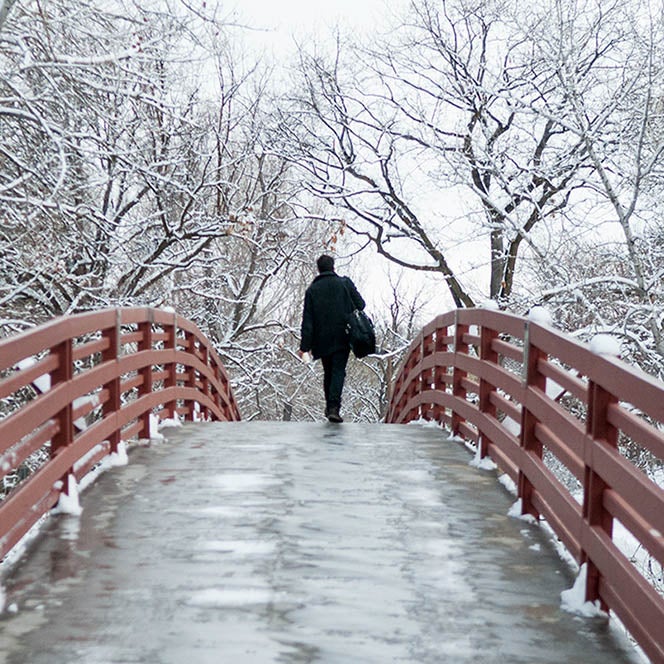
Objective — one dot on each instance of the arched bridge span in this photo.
(523, 393)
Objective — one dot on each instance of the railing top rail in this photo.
(48, 335)
(627, 382)
(496, 320)
(44, 337)
(38, 339)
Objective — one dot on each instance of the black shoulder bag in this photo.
(360, 331)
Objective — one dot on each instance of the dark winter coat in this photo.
(327, 303)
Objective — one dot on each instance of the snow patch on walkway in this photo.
(220, 598)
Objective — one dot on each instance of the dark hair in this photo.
(325, 263)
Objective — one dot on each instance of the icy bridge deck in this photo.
(295, 542)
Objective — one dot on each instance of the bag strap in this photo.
(351, 305)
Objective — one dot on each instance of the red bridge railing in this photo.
(532, 399)
(73, 388)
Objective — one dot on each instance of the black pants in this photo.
(334, 367)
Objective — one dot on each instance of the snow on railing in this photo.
(566, 422)
(72, 390)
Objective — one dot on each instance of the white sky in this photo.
(276, 22)
(287, 15)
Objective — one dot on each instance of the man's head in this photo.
(325, 263)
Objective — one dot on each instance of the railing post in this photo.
(439, 384)
(527, 438)
(385, 403)
(458, 390)
(217, 395)
(488, 355)
(416, 385)
(110, 354)
(64, 418)
(190, 381)
(171, 367)
(427, 376)
(598, 431)
(146, 344)
(205, 383)
(410, 387)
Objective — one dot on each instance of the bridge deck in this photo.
(295, 542)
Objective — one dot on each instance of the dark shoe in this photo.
(333, 415)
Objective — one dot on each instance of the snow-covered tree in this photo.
(133, 172)
(606, 272)
(444, 135)
(79, 86)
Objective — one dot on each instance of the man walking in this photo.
(327, 303)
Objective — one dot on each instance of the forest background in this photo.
(464, 151)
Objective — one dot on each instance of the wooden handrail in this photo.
(79, 385)
(517, 390)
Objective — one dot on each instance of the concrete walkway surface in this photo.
(265, 542)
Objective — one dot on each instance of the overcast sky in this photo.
(294, 14)
(276, 22)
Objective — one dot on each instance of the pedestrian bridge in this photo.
(303, 542)
(295, 542)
